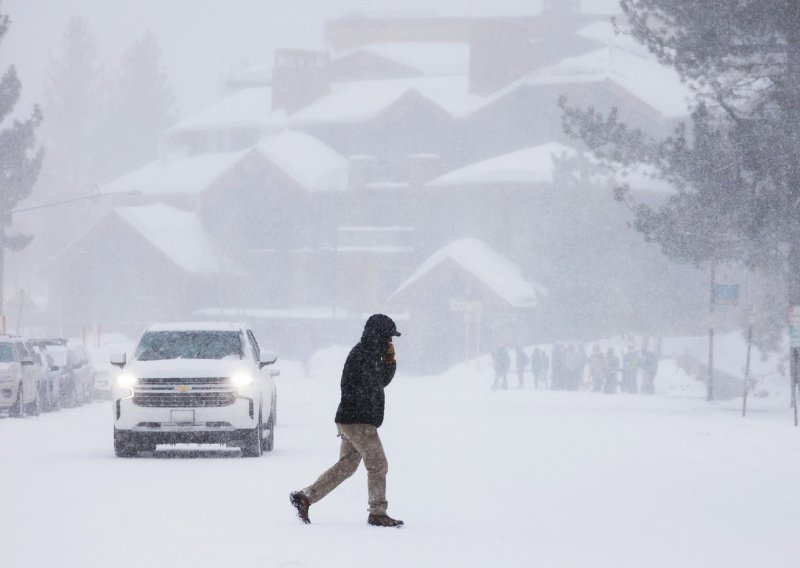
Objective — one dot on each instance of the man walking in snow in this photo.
(369, 368)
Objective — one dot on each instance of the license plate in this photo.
(183, 417)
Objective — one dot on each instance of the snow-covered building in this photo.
(465, 292)
(137, 265)
(330, 177)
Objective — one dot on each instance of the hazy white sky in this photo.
(202, 39)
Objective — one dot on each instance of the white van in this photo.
(195, 383)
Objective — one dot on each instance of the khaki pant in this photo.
(358, 441)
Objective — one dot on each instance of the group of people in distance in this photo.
(568, 367)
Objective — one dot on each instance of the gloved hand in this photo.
(389, 357)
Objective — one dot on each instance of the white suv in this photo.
(195, 383)
(19, 378)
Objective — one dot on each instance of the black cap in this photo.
(382, 325)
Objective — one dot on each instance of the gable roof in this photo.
(528, 166)
(177, 234)
(179, 176)
(245, 108)
(311, 163)
(495, 271)
(361, 101)
(428, 58)
(308, 161)
(641, 75)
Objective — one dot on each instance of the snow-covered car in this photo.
(104, 371)
(82, 369)
(19, 378)
(63, 364)
(50, 378)
(195, 383)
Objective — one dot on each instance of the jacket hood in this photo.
(379, 327)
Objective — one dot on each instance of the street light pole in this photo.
(712, 301)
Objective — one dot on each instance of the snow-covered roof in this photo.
(245, 108)
(429, 58)
(528, 166)
(305, 159)
(606, 33)
(311, 163)
(643, 76)
(178, 234)
(179, 176)
(359, 101)
(498, 273)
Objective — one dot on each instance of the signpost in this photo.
(794, 347)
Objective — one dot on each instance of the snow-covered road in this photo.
(485, 479)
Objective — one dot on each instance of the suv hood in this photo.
(186, 368)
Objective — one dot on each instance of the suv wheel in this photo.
(33, 408)
(124, 446)
(251, 445)
(69, 396)
(269, 442)
(16, 409)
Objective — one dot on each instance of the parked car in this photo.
(82, 369)
(19, 378)
(62, 366)
(50, 378)
(195, 383)
(104, 371)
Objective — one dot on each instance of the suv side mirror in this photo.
(119, 359)
(266, 358)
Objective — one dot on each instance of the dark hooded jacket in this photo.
(365, 375)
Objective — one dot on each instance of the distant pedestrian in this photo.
(369, 369)
(630, 371)
(612, 372)
(502, 362)
(521, 363)
(557, 367)
(597, 369)
(539, 365)
(649, 366)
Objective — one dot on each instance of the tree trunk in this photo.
(792, 102)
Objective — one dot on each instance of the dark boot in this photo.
(300, 501)
(383, 521)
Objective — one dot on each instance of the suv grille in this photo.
(201, 392)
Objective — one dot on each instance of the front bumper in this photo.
(179, 421)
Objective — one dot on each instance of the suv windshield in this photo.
(6, 355)
(159, 345)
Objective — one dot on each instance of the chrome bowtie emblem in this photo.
(183, 388)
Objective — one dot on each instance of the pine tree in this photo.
(20, 159)
(141, 107)
(73, 99)
(738, 174)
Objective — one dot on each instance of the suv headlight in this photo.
(242, 379)
(126, 380)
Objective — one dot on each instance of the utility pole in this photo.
(712, 301)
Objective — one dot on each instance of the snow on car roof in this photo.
(197, 326)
